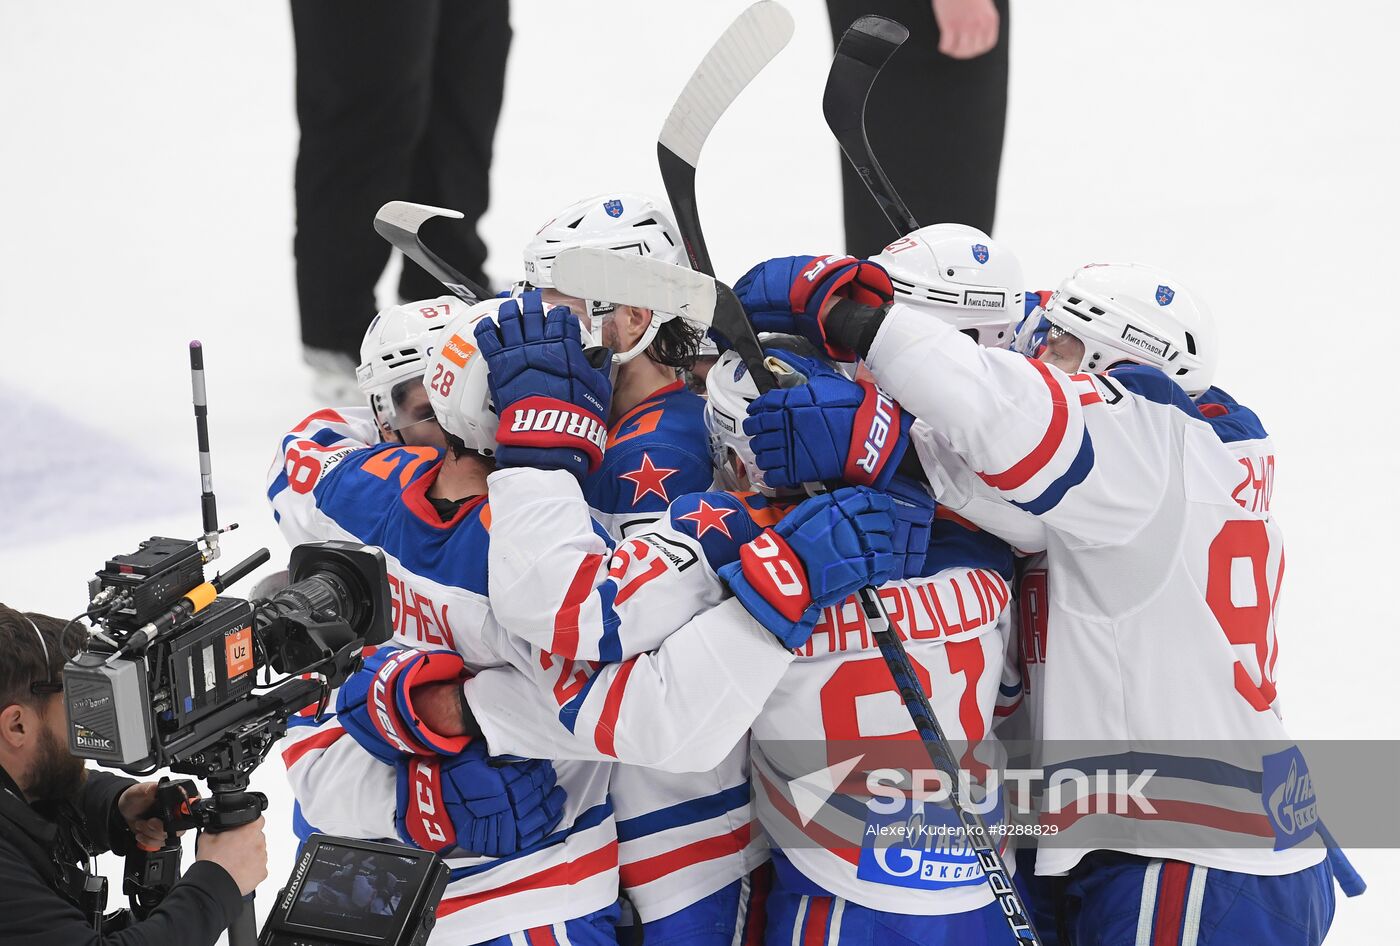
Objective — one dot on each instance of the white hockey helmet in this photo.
(395, 353)
(456, 381)
(1130, 312)
(729, 390)
(625, 222)
(960, 275)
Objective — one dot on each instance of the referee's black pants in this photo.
(935, 125)
(397, 100)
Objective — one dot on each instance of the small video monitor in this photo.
(352, 892)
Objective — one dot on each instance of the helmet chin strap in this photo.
(642, 344)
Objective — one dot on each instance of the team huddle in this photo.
(628, 640)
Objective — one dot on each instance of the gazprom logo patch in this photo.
(1289, 800)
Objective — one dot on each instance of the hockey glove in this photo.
(913, 525)
(552, 403)
(831, 428)
(787, 294)
(477, 804)
(376, 704)
(823, 551)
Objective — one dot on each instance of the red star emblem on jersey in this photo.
(709, 517)
(648, 478)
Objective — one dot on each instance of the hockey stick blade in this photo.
(624, 279)
(593, 273)
(861, 54)
(398, 222)
(750, 43)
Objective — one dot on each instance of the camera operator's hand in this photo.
(241, 851)
(137, 805)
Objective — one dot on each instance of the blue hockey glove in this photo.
(831, 428)
(375, 705)
(553, 404)
(913, 525)
(823, 551)
(476, 804)
(786, 294)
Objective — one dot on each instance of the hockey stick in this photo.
(861, 54)
(751, 41)
(398, 222)
(600, 274)
(591, 272)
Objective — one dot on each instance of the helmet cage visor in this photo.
(402, 404)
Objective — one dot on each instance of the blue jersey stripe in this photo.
(610, 644)
(1076, 474)
(686, 812)
(568, 713)
(277, 486)
(1192, 768)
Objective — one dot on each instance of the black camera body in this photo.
(346, 892)
(175, 670)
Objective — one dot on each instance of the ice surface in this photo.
(145, 182)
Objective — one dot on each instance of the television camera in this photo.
(177, 675)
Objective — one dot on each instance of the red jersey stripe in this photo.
(706, 849)
(570, 872)
(293, 753)
(326, 415)
(1035, 461)
(1187, 812)
(612, 705)
(565, 642)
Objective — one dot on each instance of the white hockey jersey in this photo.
(837, 695)
(1159, 642)
(327, 485)
(683, 836)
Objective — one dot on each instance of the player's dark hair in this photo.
(456, 446)
(677, 344)
(459, 449)
(22, 656)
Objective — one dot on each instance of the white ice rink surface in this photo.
(146, 199)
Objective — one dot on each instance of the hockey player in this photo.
(955, 617)
(686, 868)
(393, 357)
(427, 512)
(656, 434)
(1165, 589)
(535, 865)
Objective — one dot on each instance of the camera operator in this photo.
(55, 816)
